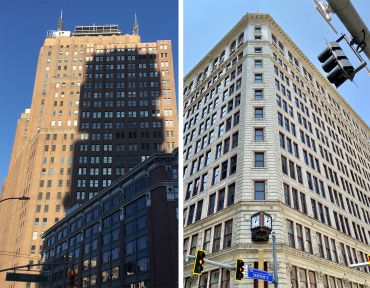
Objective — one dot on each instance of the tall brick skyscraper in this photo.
(102, 103)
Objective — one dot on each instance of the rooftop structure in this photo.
(96, 30)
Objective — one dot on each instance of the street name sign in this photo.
(260, 275)
(23, 277)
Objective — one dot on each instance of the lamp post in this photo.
(22, 198)
(261, 228)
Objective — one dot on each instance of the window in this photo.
(258, 78)
(203, 280)
(327, 248)
(221, 199)
(226, 145)
(214, 279)
(259, 190)
(286, 194)
(216, 175)
(258, 94)
(280, 119)
(258, 63)
(198, 214)
(302, 278)
(224, 169)
(294, 277)
(300, 243)
(231, 194)
(218, 151)
(235, 139)
(259, 134)
(291, 170)
(211, 205)
(204, 182)
(295, 199)
(312, 278)
(207, 241)
(303, 203)
(193, 245)
(233, 164)
(216, 239)
(225, 281)
(191, 214)
(228, 233)
(258, 50)
(319, 245)
(314, 209)
(291, 241)
(284, 165)
(334, 250)
(282, 140)
(308, 240)
(258, 112)
(259, 159)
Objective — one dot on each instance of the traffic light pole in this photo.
(221, 265)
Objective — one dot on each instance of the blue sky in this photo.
(23, 26)
(207, 21)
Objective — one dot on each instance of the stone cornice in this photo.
(220, 45)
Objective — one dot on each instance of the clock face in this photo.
(255, 222)
(267, 222)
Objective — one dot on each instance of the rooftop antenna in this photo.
(135, 30)
(60, 22)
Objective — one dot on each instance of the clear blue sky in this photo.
(207, 21)
(23, 26)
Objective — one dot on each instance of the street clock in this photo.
(261, 226)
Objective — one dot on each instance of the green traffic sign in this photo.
(23, 277)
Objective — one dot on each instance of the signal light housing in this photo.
(336, 63)
(71, 277)
(239, 269)
(199, 262)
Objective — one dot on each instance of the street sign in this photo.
(260, 275)
(23, 277)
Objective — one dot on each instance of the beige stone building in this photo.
(265, 131)
(103, 102)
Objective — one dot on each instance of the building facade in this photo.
(124, 237)
(265, 131)
(103, 101)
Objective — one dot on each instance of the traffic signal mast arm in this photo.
(221, 265)
(358, 265)
(28, 266)
(350, 19)
(353, 22)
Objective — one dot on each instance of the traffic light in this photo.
(337, 63)
(239, 269)
(199, 262)
(368, 259)
(71, 277)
